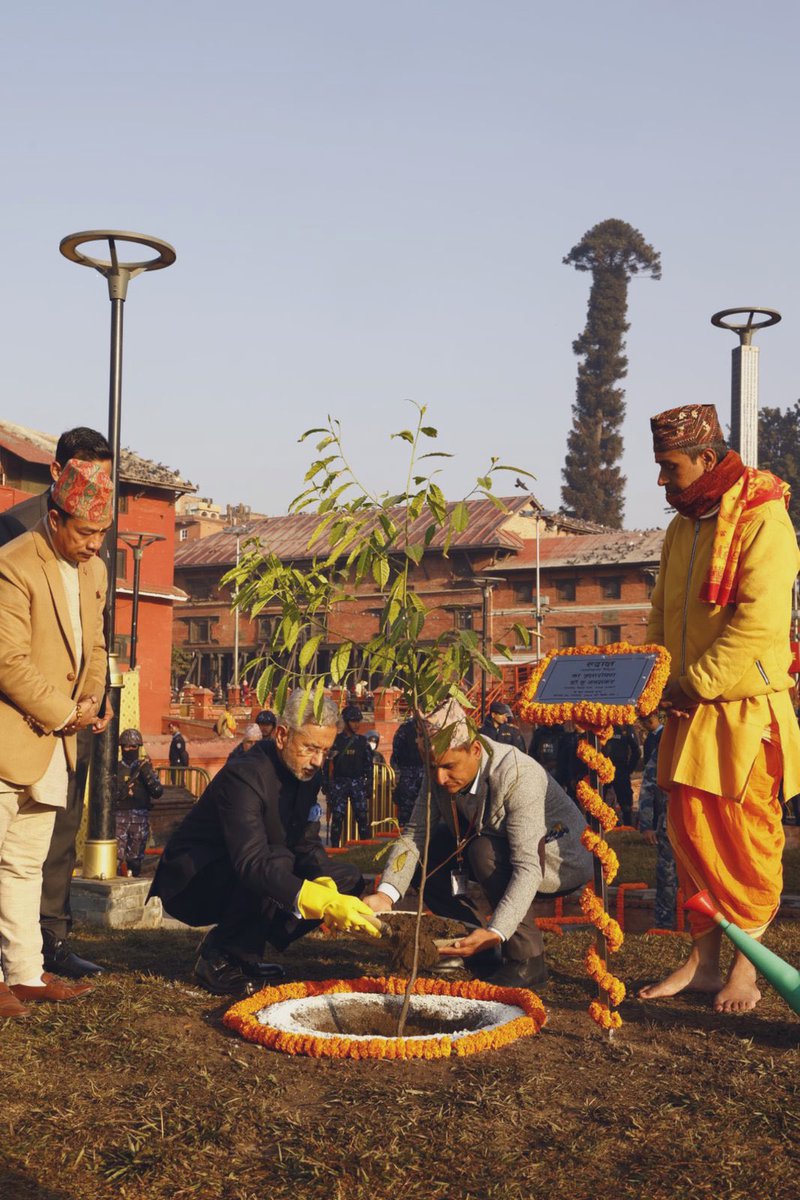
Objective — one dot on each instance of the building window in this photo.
(565, 589)
(523, 593)
(611, 587)
(566, 636)
(122, 564)
(608, 633)
(199, 630)
(183, 533)
(462, 618)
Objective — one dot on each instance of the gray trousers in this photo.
(488, 863)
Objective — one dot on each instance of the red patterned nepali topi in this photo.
(84, 490)
(686, 427)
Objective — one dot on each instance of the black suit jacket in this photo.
(255, 821)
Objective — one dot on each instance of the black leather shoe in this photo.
(218, 954)
(60, 960)
(222, 977)
(527, 973)
(263, 970)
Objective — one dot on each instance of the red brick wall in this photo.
(150, 511)
(446, 585)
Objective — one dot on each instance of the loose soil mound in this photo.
(401, 940)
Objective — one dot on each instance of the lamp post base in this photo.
(100, 860)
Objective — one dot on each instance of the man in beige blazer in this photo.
(52, 680)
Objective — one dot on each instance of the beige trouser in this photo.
(25, 830)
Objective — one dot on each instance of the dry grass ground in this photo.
(138, 1093)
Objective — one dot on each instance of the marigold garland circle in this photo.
(242, 1017)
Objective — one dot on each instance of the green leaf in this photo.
(406, 435)
(460, 517)
(380, 571)
(340, 661)
(319, 697)
(280, 694)
(308, 651)
(516, 470)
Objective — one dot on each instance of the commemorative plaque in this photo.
(601, 678)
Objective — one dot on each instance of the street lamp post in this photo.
(744, 377)
(138, 543)
(100, 855)
(238, 522)
(486, 583)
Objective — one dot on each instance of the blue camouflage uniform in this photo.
(653, 815)
(406, 762)
(351, 779)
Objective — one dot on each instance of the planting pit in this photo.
(361, 1016)
(357, 1018)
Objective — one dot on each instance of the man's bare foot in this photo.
(691, 976)
(740, 993)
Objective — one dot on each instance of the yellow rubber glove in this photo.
(326, 881)
(318, 902)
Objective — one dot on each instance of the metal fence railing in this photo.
(194, 779)
(380, 806)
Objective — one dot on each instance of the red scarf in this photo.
(737, 490)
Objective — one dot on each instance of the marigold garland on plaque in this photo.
(598, 718)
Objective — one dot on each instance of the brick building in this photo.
(592, 584)
(148, 492)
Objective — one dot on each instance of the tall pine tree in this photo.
(593, 485)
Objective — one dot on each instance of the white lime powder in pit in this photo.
(297, 1016)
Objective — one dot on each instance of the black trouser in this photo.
(245, 923)
(488, 861)
(624, 793)
(55, 915)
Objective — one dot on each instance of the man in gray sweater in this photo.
(498, 820)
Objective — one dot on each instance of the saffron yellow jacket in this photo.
(734, 659)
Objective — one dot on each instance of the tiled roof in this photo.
(617, 547)
(288, 536)
(35, 447)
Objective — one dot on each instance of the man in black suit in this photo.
(248, 857)
(85, 445)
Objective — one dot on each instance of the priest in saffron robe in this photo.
(722, 607)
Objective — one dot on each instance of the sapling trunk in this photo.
(423, 869)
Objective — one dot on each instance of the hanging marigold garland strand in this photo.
(599, 719)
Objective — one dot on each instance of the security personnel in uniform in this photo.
(137, 787)
(351, 775)
(497, 727)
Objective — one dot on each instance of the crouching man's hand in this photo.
(379, 902)
(318, 900)
(474, 943)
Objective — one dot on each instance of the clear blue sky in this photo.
(371, 201)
